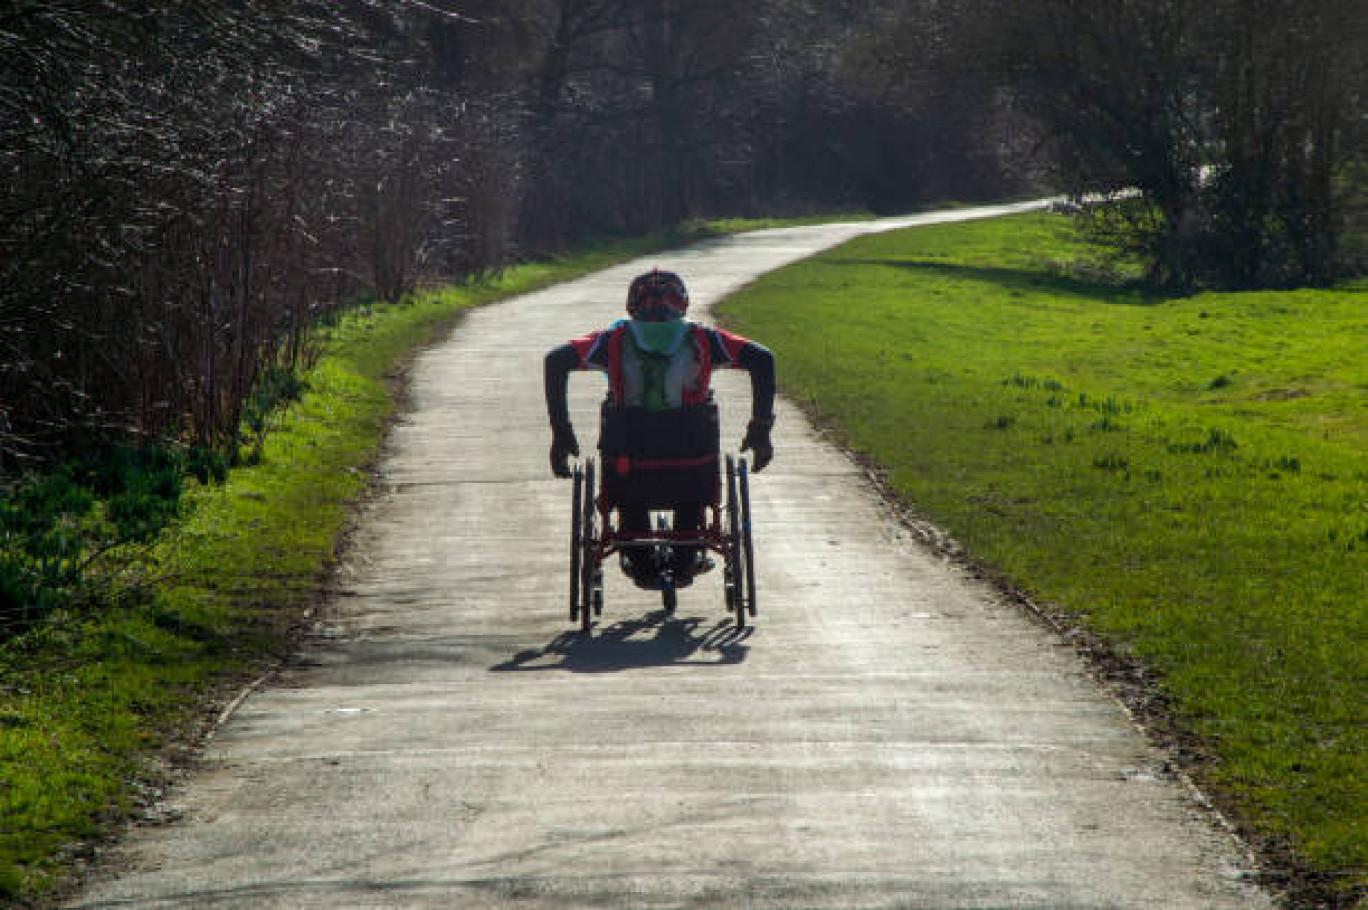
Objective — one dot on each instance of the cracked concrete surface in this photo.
(889, 735)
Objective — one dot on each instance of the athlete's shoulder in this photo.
(593, 347)
(725, 346)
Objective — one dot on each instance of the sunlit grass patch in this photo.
(1187, 475)
(708, 226)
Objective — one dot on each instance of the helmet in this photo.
(657, 297)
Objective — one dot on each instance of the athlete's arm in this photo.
(757, 360)
(556, 373)
(730, 350)
(559, 362)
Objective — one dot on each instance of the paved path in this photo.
(890, 735)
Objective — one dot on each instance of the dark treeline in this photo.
(188, 186)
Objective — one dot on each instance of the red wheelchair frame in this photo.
(726, 531)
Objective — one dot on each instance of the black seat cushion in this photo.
(659, 458)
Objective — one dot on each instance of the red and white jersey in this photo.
(691, 357)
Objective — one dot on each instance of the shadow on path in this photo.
(655, 640)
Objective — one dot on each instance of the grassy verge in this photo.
(718, 226)
(91, 704)
(1189, 477)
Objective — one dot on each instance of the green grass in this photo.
(89, 701)
(1189, 476)
(704, 227)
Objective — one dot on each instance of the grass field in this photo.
(90, 704)
(1188, 476)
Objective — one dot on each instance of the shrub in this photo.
(67, 536)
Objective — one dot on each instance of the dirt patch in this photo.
(1281, 394)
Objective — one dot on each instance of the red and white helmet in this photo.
(657, 296)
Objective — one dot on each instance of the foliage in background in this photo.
(185, 187)
(1238, 122)
(708, 107)
(1186, 475)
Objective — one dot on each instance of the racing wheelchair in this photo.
(654, 462)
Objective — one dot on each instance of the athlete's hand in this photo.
(563, 445)
(757, 441)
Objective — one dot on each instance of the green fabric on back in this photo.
(655, 344)
(659, 337)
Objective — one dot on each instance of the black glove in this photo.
(758, 442)
(563, 445)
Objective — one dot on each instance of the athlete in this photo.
(659, 366)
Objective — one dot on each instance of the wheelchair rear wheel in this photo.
(586, 585)
(576, 543)
(734, 578)
(747, 547)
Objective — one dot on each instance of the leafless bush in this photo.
(187, 186)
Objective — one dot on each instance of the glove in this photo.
(563, 445)
(758, 442)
